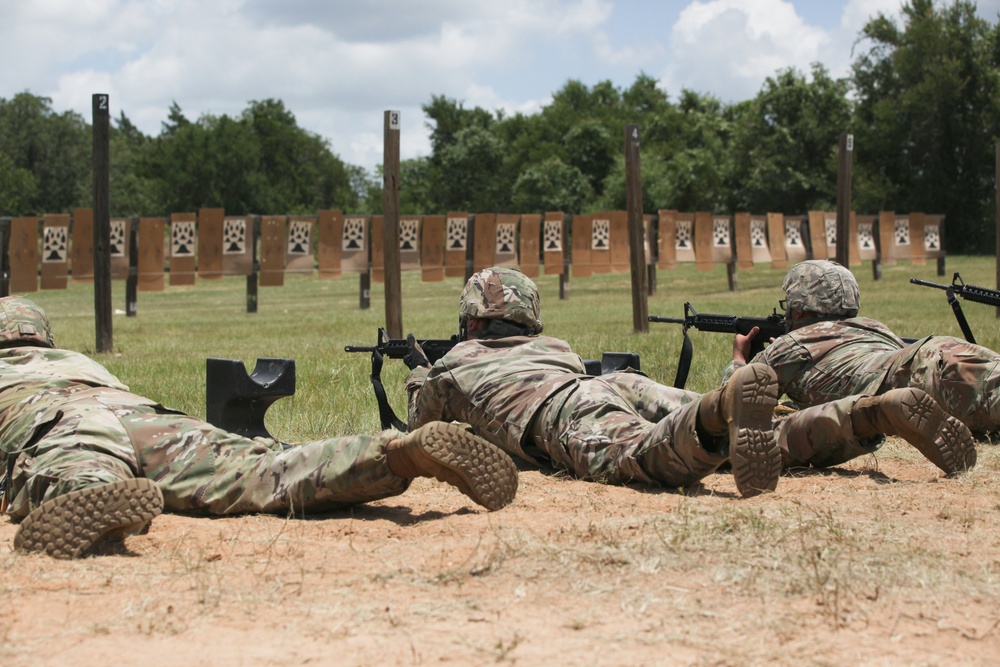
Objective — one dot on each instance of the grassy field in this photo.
(161, 352)
(881, 561)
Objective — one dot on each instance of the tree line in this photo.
(922, 101)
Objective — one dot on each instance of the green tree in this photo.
(927, 118)
(784, 144)
(464, 146)
(551, 186)
(590, 147)
(17, 187)
(472, 175)
(261, 162)
(54, 147)
(696, 160)
(130, 193)
(298, 169)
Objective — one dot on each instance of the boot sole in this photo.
(753, 451)
(482, 471)
(72, 524)
(952, 448)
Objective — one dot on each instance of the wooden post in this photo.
(132, 281)
(654, 249)
(637, 252)
(253, 276)
(567, 259)
(470, 246)
(390, 225)
(100, 161)
(845, 156)
(365, 289)
(5, 256)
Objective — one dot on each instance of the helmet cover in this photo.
(822, 287)
(23, 321)
(501, 293)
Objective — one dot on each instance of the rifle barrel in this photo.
(927, 283)
(668, 320)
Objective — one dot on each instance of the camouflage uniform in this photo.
(833, 362)
(827, 361)
(530, 396)
(822, 435)
(835, 354)
(66, 423)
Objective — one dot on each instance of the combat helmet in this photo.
(22, 322)
(822, 287)
(504, 295)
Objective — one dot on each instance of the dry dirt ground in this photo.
(878, 562)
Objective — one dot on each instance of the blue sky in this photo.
(339, 64)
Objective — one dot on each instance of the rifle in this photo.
(990, 297)
(397, 348)
(771, 326)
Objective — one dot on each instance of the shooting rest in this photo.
(236, 402)
(611, 362)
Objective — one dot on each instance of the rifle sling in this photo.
(684, 363)
(385, 412)
(956, 307)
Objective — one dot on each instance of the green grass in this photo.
(161, 352)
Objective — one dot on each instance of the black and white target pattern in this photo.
(354, 234)
(234, 236)
(54, 244)
(600, 235)
(901, 231)
(506, 234)
(457, 233)
(720, 233)
(409, 234)
(684, 235)
(552, 241)
(299, 233)
(117, 244)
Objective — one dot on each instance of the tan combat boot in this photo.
(450, 454)
(917, 418)
(71, 525)
(743, 409)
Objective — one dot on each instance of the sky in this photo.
(338, 65)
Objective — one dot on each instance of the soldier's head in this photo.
(22, 322)
(817, 290)
(499, 302)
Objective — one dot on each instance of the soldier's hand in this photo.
(415, 356)
(741, 345)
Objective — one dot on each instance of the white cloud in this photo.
(338, 64)
(728, 47)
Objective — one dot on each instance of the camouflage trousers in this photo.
(623, 427)
(69, 439)
(822, 435)
(962, 377)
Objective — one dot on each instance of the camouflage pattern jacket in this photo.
(495, 386)
(830, 360)
(27, 373)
